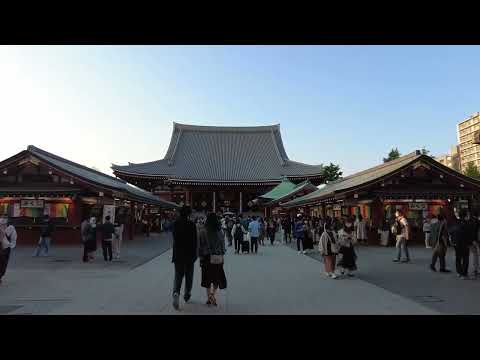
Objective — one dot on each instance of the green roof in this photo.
(285, 187)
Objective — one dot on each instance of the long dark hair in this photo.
(212, 224)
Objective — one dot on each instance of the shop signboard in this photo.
(417, 206)
(109, 210)
(31, 203)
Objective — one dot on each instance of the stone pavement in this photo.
(40, 285)
(276, 281)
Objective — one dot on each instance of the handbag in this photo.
(216, 259)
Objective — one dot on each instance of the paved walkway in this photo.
(276, 281)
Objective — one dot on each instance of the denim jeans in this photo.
(44, 243)
(402, 243)
(183, 270)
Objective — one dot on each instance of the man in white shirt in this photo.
(8, 241)
(426, 231)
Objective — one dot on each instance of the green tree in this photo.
(392, 155)
(472, 170)
(425, 151)
(332, 172)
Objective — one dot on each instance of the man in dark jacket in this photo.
(108, 232)
(461, 235)
(184, 254)
(439, 241)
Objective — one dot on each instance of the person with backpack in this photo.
(46, 232)
(439, 239)
(402, 233)
(238, 232)
(8, 241)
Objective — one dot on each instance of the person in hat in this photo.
(8, 241)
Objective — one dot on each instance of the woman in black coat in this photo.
(211, 252)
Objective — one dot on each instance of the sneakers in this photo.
(333, 276)
(445, 271)
(406, 261)
(176, 301)
(304, 252)
(299, 252)
(396, 260)
(433, 268)
(187, 298)
(350, 274)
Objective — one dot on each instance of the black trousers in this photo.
(288, 237)
(238, 244)
(300, 241)
(439, 253)
(254, 243)
(85, 252)
(183, 270)
(462, 256)
(271, 236)
(107, 250)
(4, 257)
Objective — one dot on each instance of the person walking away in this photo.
(262, 232)
(438, 237)
(271, 231)
(46, 231)
(237, 233)
(474, 248)
(461, 235)
(184, 254)
(299, 234)
(347, 250)
(8, 241)
(426, 231)
(287, 230)
(362, 235)
(108, 232)
(307, 237)
(328, 249)
(254, 229)
(230, 224)
(211, 252)
(384, 232)
(402, 232)
(84, 233)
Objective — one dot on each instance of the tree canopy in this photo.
(392, 155)
(332, 172)
(472, 170)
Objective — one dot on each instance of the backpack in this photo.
(238, 232)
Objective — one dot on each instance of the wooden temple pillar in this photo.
(240, 209)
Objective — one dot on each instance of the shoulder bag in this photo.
(216, 259)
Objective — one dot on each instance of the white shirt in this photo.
(11, 237)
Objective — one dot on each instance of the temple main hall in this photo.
(220, 169)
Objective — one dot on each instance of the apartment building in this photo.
(469, 151)
(452, 159)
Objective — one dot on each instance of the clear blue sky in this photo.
(344, 104)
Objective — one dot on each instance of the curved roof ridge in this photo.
(37, 151)
(213, 128)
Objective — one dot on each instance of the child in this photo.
(346, 240)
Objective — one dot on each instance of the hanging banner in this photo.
(109, 210)
(16, 209)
